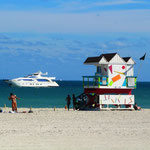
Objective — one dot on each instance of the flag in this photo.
(143, 57)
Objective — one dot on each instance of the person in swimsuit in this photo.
(14, 102)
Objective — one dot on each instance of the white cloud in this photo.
(85, 6)
(117, 2)
(44, 22)
(72, 47)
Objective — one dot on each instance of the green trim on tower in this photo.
(111, 83)
(135, 81)
(99, 82)
(126, 81)
(107, 81)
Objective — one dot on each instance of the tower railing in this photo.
(95, 81)
(98, 81)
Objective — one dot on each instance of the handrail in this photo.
(97, 81)
(94, 76)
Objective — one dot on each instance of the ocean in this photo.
(55, 96)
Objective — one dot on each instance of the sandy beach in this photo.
(47, 129)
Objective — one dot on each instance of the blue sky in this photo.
(58, 35)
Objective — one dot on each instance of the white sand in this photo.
(47, 129)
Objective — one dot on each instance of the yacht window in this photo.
(27, 79)
(42, 80)
(32, 77)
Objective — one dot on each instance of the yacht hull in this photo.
(31, 84)
(33, 80)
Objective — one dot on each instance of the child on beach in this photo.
(14, 102)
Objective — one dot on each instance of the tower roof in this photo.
(126, 59)
(109, 58)
(93, 59)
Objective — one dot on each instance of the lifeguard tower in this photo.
(112, 84)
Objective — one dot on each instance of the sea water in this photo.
(55, 96)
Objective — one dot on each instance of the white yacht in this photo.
(34, 80)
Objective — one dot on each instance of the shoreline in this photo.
(71, 109)
(61, 129)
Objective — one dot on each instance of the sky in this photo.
(56, 36)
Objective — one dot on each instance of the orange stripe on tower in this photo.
(116, 78)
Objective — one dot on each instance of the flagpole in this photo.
(142, 58)
(139, 69)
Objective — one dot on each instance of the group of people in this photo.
(68, 99)
(13, 98)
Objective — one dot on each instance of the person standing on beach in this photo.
(14, 102)
(68, 99)
(74, 101)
